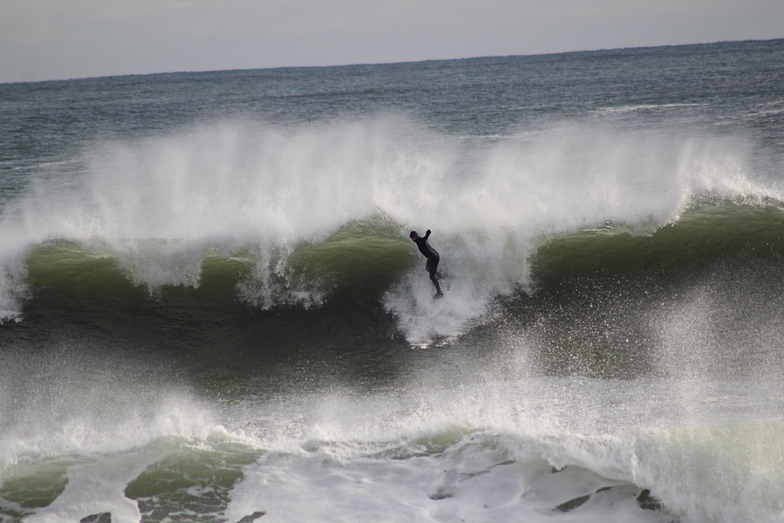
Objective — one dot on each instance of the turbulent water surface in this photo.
(211, 310)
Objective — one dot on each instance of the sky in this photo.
(62, 39)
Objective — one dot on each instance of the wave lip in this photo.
(368, 269)
(708, 233)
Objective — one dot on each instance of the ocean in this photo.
(212, 310)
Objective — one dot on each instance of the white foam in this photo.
(484, 452)
(62, 412)
(479, 451)
(95, 488)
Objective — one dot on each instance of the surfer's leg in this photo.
(432, 267)
(432, 264)
(434, 279)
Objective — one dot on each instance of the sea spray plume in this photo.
(158, 206)
(527, 189)
(260, 193)
(270, 190)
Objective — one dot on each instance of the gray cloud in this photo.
(44, 39)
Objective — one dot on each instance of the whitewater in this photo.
(211, 310)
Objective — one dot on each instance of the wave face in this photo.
(292, 217)
(212, 310)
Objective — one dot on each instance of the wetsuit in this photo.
(432, 258)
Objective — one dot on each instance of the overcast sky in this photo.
(57, 39)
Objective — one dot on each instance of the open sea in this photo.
(212, 311)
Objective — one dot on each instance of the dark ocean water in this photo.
(212, 310)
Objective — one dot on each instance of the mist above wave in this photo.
(160, 205)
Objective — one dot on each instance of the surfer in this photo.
(432, 258)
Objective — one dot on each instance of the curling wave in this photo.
(274, 217)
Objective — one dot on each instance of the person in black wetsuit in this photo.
(432, 258)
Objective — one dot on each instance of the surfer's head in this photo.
(413, 235)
